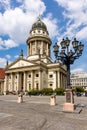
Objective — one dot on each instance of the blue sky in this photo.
(62, 17)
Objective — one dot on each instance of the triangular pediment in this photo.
(20, 63)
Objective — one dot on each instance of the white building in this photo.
(37, 71)
(79, 79)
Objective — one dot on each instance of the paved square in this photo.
(35, 113)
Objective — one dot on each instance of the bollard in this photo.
(53, 100)
(5, 93)
(20, 98)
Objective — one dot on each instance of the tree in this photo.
(79, 89)
(59, 91)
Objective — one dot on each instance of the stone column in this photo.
(59, 79)
(32, 79)
(47, 50)
(12, 82)
(40, 79)
(62, 80)
(25, 81)
(1, 85)
(30, 53)
(42, 51)
(18, 82)
(55, 80)
(5, 84)
(36, 49)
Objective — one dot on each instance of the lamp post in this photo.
(67, 56)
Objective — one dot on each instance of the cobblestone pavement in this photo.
(35, 113)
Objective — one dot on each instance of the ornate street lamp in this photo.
(67, 56)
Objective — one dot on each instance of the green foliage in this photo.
(79, 89)
(35, 92)
(73, 89)
(59, 91)
(47, 91)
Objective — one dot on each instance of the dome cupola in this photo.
(39, 41)
(39, 24)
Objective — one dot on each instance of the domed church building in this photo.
(37, 71)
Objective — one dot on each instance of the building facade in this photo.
(37, 71)
(79, 79)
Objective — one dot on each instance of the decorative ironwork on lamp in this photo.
(66, 55)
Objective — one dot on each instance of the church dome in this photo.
(39, 24)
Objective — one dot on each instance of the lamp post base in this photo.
(69, 107)
(69, 104)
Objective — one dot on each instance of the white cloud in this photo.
(16, 56)
(51, 25)
(78, 70)
(5, 44)
(34, 6)
(19, 1)
(73, 5)
(5, 4)
(82, 34)
(16, 22)
(2, 62)
(9, 43)
(76, 14)
(13, 23)
(8, 56)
